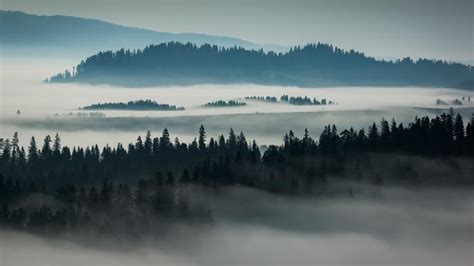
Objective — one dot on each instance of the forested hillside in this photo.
(311, 65)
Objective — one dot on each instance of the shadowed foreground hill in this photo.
(312, 65)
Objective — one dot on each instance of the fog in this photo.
(389, 226)
(266, 128)
(396, 226)
(23, 89)
(45, 107)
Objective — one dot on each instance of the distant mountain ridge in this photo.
(309, 66)
(20, 31)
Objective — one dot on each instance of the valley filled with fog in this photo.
(239, 133)
(50, 108)
(393, 226)
(350, 224)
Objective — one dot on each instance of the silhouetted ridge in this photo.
(311, 65)
(22, 33)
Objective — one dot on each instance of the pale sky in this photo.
(441, 29)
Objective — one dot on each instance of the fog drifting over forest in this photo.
(391, 227)
(310, 205)
(44, 107)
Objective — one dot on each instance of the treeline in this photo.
(270, 99)
(155, 180)
(222, 103)
(303, 100)
(310, 65)
(298, 100)
(441, 136)
(459, 101)
(139, 105)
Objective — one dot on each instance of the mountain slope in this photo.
(312, 65)
(64, 34)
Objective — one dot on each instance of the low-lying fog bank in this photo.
(395, 226)
(21, 88)
(264, 128)
(42, 100)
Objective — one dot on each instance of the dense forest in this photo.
(311, 65)
(222, 103)
(139, 105)
(50, 188)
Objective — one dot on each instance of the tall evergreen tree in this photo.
(32, 150)
(46, 151)
(373, 136)
(57, 147)
(148, 146)
(470, 136)
(6, 154)
(459, 132)
(14, 144)
(256, 155)
(232, 141)
(165, 143)
(384, 133)
(202, 139)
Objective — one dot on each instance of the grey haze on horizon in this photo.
(441, 29)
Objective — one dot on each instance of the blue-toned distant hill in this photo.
(64, 35)
(312, 65)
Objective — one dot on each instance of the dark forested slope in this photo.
(311, 65)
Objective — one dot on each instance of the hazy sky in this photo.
(393, 28)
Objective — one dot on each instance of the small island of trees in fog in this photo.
(457, 101)
(298, 100)
(222, 103)
(312, 65)
(139, 105)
